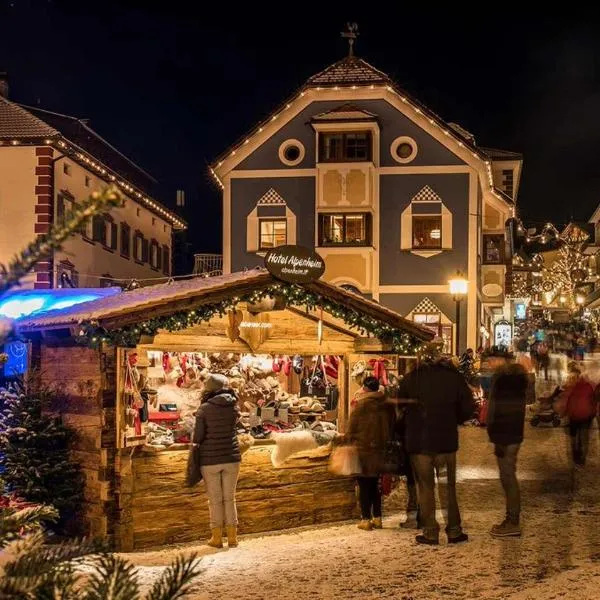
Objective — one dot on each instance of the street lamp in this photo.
(458, 287)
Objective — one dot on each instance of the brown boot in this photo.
(216, 540)
(232, 540)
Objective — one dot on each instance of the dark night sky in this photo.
(172, 86)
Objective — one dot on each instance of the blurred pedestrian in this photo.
(506, 418)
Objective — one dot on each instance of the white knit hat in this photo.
(215, 382)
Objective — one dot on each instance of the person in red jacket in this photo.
(581, 409)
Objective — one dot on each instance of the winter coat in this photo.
(216, 431)
(369, 429)
(506, 410)
(443, 401)
(581, 404)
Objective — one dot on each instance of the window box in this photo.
(345, 229)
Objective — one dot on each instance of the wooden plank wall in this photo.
(301, 493)
(85, 380)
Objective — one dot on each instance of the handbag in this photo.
(193, 472)
(344, 461)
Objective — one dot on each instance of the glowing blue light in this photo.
(28, 302)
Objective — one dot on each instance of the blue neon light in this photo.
(29, 302)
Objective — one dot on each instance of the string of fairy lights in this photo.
(91, 333)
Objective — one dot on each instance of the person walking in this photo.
(438, 400)
(220, 456)
(505, 426)
(370, 429)
(580, 408)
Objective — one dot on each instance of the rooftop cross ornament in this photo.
(350, 34)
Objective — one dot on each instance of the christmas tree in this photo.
(34, 451)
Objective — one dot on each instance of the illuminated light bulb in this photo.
(302, 93)
(274, 117)
(246, 141)
(47, 141)
(418, 110)
(14, 142)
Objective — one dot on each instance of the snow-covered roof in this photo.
(168, 298)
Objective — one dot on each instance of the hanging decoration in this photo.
(92, 334)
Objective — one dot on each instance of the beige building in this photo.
(48, 163)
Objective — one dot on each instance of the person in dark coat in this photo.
(369, 429)
(438, 400)
(216, 434)
(505, 426)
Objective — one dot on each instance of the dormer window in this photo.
(352, 146)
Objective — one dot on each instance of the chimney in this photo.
(4, 84)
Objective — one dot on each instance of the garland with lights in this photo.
(93, 335)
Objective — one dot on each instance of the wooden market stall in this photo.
(130, 367)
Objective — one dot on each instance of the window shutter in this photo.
(113, 236)
(406, 228)
(98, 229)
(166, 260)
(60, 210)
(145, 246)
(290, 218)
(252, 232)
(446, 228)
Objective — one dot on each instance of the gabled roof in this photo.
(21, 124)
(351, 70)
(496, 154)
(346, 112)
(165, 299)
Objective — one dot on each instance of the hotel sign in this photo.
(294, 264)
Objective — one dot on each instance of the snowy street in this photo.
(558, 556)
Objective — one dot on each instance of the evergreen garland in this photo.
(92, 334)
(34, 451)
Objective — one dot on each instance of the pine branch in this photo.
(113, 579)
(23, 263)
(175, 581)
(25, 519)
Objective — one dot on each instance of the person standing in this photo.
(580, 407)
(438, 400)
(370, 428)
(215, 432)
(505, 426)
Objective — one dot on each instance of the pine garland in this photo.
(93, 335)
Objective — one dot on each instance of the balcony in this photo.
(208, 265)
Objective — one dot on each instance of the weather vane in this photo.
(350, 34)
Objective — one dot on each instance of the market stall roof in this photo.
(168, 298)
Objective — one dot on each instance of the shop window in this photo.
(433, 322)
(427, 232)
(493, 249)
(166, 260)
(353, 146)
(155, 255)
(125, 240)
(349, 229)
(273, 233)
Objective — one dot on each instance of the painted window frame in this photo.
(342, 155)
(427, 217)
(261, 220)
(344, 243)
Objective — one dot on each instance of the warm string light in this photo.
(403, 343)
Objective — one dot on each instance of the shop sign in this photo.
(294, 264)
(503, 334)
(520, 311)
(253, 329)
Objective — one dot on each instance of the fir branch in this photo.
(27, 519)
(113, 579)
(23, 263)
(175, 581)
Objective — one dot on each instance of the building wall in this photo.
(17, 201)
(91, 259)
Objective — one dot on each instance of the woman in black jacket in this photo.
(215, 432)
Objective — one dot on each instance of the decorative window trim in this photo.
(262, 220)
(270, 198)
(285, 145)
(344, 133)
(403, 139)
(368, 229)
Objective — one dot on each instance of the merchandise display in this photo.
(276, 394)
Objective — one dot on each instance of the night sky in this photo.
(172, 86)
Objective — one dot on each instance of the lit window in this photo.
(427, 231)
(273, 233)
(345, 147)
(350, 229)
